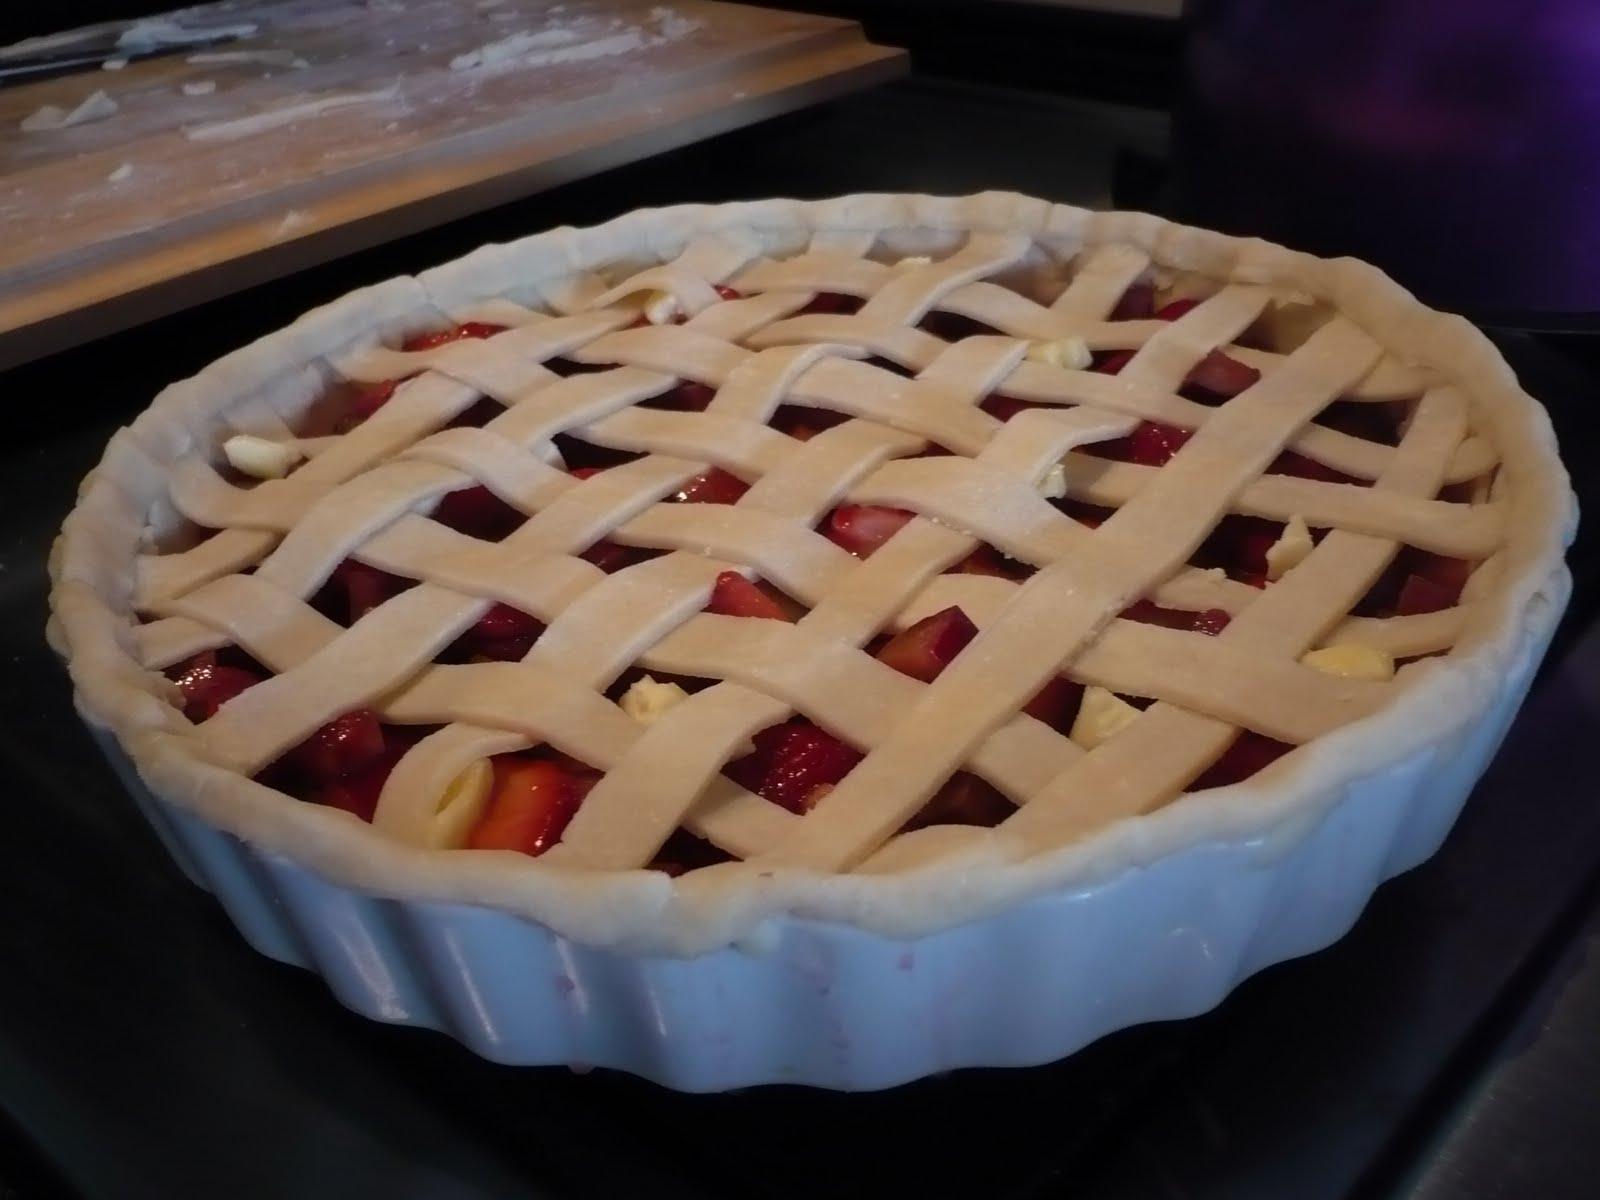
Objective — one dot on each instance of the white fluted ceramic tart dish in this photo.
(818, 642)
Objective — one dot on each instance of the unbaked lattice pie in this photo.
(886, 564)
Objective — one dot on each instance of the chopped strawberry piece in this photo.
(578, 454)
(609, 556)
(986, 560)
(1148, 612)
(953, 327)
(439, 337)
(530, 806)
(833, 302)
(925, 649)
(735, 596)
(716, 486)
(1239, 546)
(365, 587)
(1137, 303)
(862, 528)
(793, 764)
(477, 512)
(728, 293)
(369, 398)
(1112, 363)
(1173, 309)
(1212, 621)
(503, 621)
(504, 634)
(687, 396)
(965, 799)
(359, 793)
(340, 748)
(804, 423)
(683, 852)
(1092, 515)
(1298, 465)
(1221, 376)
(207, 685)
(1153, 444)
(1417, 582)
(1449, 573)
(1056, 703)
(1005, 407)
(1249, 753)
(585, 472)
(1419, 594)
(477, 415)
(581, 777)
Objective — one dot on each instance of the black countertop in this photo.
(145, 1051)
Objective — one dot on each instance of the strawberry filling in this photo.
(1218, 377)
(735, 596)
(358, 793)
(923, 650)
(1005, 407)
(965, 799)
(1151, 444)
(611, 557)
(862, 528)
(534, 796)
(580, 455)
(804, 423)
(833, 303)
(370, 397)
(1056, 703)
(1239, 546)
(1212, 621)
(355, 589)
(531, 802)
(1249, 753)
(687, 396)
(208, 684)
(344, 746)
(503, 634)
(440, 337)
(1416, 582)
(953, 327)
(986, 560)
(477, 512)
(683, 852)
(1138, 303)
(716, 486)
(1111, 362)
(793, 764)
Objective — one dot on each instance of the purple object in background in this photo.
(1455, 143)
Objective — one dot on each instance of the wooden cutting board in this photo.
(332, 125)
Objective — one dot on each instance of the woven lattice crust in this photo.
(1027, 273)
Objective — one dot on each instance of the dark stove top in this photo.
(1445, 1048)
